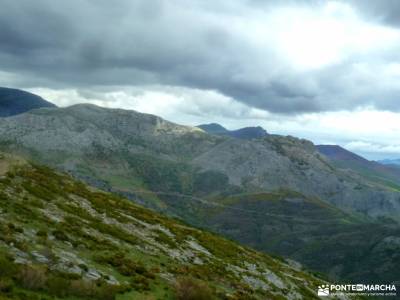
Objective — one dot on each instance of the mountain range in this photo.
(132, 151)
(390, 161)
(277, 194)
(387, 174)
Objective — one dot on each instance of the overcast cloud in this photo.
(288, 65)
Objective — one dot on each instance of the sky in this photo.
(328, 71)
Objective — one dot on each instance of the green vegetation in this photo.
(60, 239)
(352, 248)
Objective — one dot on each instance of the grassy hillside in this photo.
(344, 246)
(60, 239)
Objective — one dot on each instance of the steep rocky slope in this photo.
(276, 162)
(60, 238)
(14, 102)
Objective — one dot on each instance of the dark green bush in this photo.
(58, 286)
(60, 235)
(6, 285)
(124, 265)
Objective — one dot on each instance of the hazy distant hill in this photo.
(342, 158)
(338, 153)
(14, 102)
(242, 133)
(390, 162)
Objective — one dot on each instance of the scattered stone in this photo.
(274, 279)
(40, 257)
(92, 274)
(294, 264)
(196, 246)
(255, 282)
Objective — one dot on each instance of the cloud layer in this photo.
(328, 71)
(297, 57)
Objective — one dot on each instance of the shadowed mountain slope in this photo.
(388, 175)
(14, 102)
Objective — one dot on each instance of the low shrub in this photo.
(187, 288)
(124, 265)
(32, 277)
(6, 285)
(58, 286)
(41, 233)
(60, 235)
(7, 267)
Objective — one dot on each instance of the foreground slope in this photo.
(61, 238)
(14, 102)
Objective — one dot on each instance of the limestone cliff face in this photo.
(277, 162)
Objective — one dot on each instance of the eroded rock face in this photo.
(277, 162)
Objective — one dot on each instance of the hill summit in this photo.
(14, 102)
(245, 133)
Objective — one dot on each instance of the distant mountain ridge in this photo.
(14, 102)
(390, 161)
(342, 158)
(245, 133)
(339, 153)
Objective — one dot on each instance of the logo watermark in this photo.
(388, 290)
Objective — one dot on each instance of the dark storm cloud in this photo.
(80, 43)
(386, 11)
